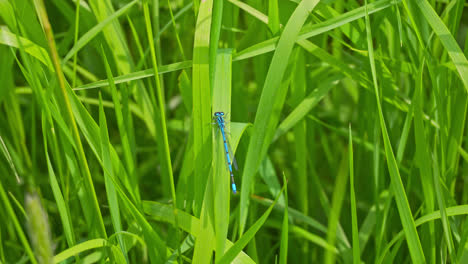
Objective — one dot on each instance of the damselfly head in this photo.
(219, 113)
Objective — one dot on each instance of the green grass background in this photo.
(347, 119)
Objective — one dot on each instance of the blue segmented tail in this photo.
(219, 118)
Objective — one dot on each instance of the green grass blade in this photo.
(268, 174)
(336, 206)
(91, 132)
(12, 217)
(97, 222)
(187, 222)
(162, 30)
(230, 254)
(75, 40)
(7, 156)
(201, 95)
(442, 208)
(7, 13)
(303, 233)
(88, 36)
(449, 42)
(294, 214)
(404, 210)
(157, 251)
(284, 227)
(215, 210)
(75, 250)
(113, 33)
(124, 134)
(313, 30)
(9, 39)
(117, 255)
(298, 92)
(252, 11)
(423, 154)
(451, 211)
(352, 198)
(259, 143)
(305, 106)
(179, 43)
(185, 86)
(206, 240)
(107, 164)
(299, 78)
(221, 179)
(165, 155)
(318, 240)
(273, 16)
(215, 32)
(137, 75)
(63, 208)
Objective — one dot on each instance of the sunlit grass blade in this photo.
(221, 179)
(252, 11)
(206, 240)
(117, 255)
(83, 246)
(273, 16)
(215, 32)
(201, 96)
(259, 143)
(7, 13)
(10, 39)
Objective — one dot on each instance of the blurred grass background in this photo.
(347, 119)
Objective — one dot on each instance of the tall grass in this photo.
(347, 119)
